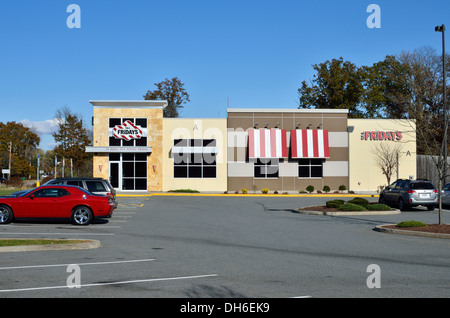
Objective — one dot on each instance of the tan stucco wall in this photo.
(182, 128)
(364, 173)
(154, 139)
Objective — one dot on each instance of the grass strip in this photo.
(22, 242)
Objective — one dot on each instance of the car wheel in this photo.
(6, 214)
(401, 205)
(81, 215)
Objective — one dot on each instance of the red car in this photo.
(56, 201)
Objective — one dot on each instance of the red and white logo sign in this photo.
(127, 131)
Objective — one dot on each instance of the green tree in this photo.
(173, 92)
(72, 138)
(337, 85)
(23, 144)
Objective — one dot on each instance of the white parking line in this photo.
(80, 264)
(111, 283)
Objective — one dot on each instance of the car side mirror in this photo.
(32, 196)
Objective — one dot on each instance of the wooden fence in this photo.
(426, 169)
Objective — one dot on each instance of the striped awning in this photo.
(309, 143)
(267, 143)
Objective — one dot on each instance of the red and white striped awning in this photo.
(267, 143)
(309, 143)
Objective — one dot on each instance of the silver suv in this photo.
(404, 193)
(93, 185)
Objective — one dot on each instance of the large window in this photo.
(128, 171)
(130, 143)
(310, 168)
(265, 168)
(194, 158)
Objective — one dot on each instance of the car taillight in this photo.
(435, 191)
(410, 191)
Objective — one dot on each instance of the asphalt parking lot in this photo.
(227, 247)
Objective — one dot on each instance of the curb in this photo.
(247, 195)
(88, 244)
(347, 213)
(380, 228)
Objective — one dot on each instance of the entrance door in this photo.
(128, 171)
(115, 175)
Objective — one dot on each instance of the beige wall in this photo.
(154, 117)
(364, 173)
(182, 128)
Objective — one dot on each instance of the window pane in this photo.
(129, 143)
(114, 157)
(303, 162)
(209, 143)
(142, 142)
(316, 171)
(180, 172)
(128, 169)
(141, 157)
(272, 171)
(180, 143)
(259, 171)
(303, 171)
(195, 171)
(141, 122)
(196, 159)
(316, 161)
(209, 159)
(127, 184)
(128, 157)
(141, 169)
(209, 172)
(114, 142)
(180, 158)
(141, 184)
(114, 121)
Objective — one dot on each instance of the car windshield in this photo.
(421, 186)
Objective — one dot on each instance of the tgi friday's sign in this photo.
(382, 135)
(128, 131)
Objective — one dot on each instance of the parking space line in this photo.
(110, 283)
(80, 264)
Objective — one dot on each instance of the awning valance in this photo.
(267, 143)
(309, 143)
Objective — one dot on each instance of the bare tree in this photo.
(387, 157)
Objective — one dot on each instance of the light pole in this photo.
(441, 28)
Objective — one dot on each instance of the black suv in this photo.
(93, 185)
(404, 193)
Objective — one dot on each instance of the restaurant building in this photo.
(283, 150)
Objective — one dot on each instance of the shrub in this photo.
(411, 224)
(326, 189)
(310, 188)
(265, 190)
(185, 191)
(351, 207)
(360, 201)
(244, 190)
(334, 203)
(342, 187)
(379, 207)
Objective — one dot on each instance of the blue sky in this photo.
(252, 53)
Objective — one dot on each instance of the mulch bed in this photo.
(431, 228)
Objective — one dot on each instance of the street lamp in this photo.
(441, 28)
